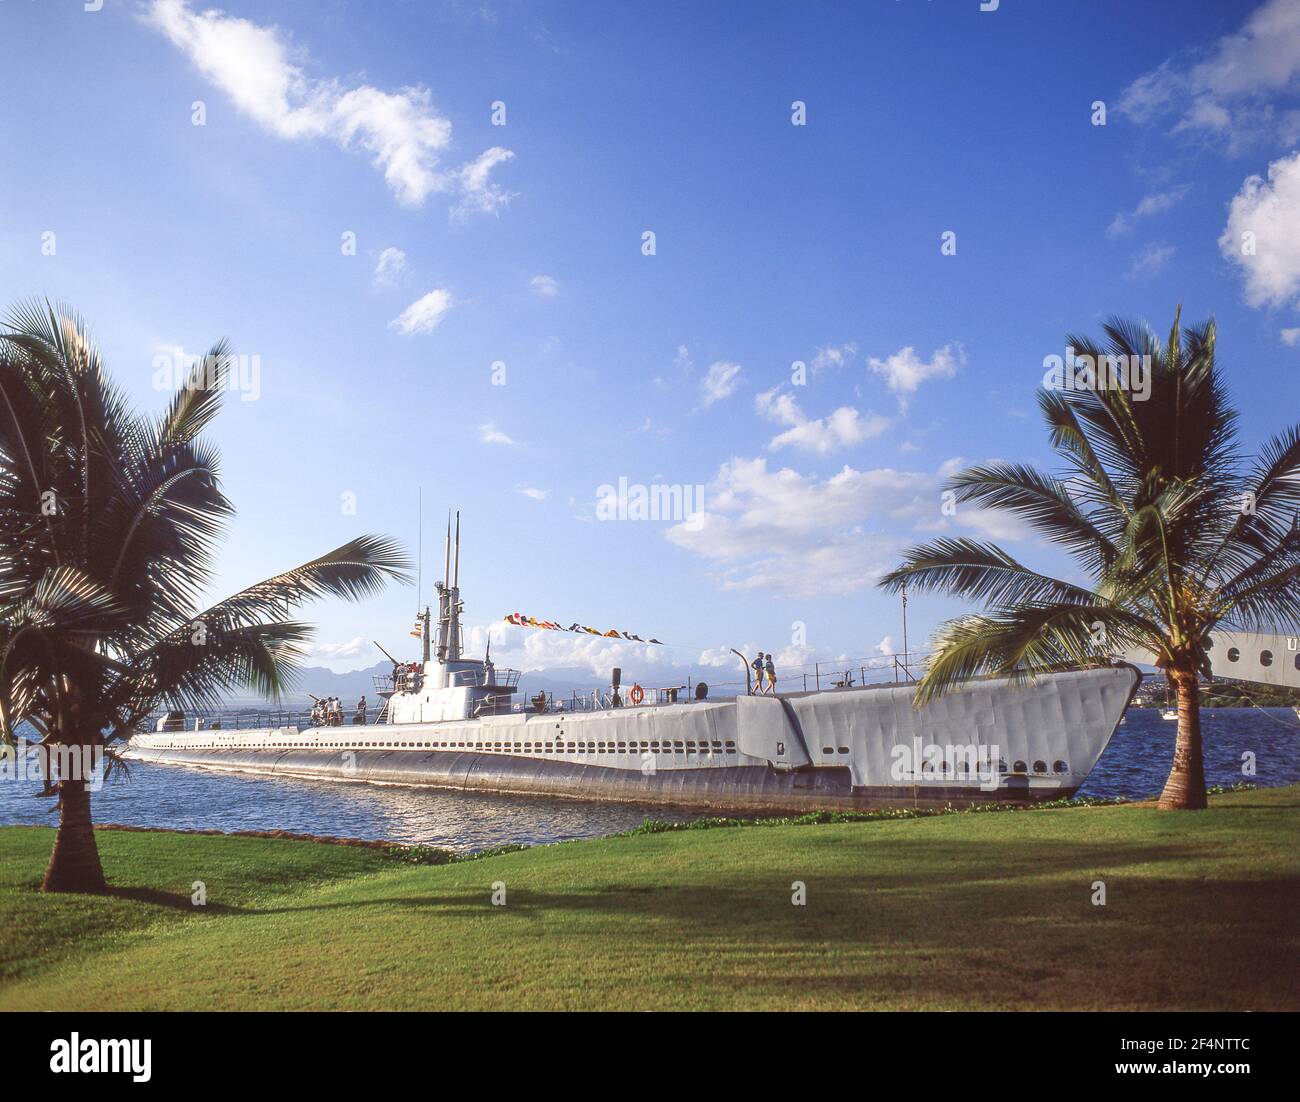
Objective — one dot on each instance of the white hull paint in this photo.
(986, 740)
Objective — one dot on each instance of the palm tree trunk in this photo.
(74, 864)
(1185, 788)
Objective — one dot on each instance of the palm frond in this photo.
(1022, 642)
(198, 401)
(355, 570)
(978, 571)
(1040, 501)
(98, 593)
(1148, 508)
(196, 675)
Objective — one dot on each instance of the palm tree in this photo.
(108, 525)
(1175, 532)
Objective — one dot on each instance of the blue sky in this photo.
(522, 244)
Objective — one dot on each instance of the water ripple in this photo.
(1134, 766)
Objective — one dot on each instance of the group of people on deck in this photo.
(765, 675)
(406, 676)
(328, 712)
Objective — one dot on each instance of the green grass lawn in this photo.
(962, 911)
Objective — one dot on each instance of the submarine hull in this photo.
(987, 741)
(740, 788)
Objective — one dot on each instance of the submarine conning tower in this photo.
(450, 686)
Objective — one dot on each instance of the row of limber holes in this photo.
(1058, 766)
(527, 747)
(605, 748)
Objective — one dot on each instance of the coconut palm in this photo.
(1175, 532)
(108, 523)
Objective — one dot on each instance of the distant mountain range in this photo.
(350, 685)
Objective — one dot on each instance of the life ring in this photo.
(636, 695)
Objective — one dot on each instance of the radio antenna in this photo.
(446, 555)
(419, 570)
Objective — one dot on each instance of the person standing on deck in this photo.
(770, 668)
(758, 668)
(360, 718)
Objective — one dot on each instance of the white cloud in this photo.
(1226, 92)
(794, 662)
(843, 427)
(490, 434)
(723, 658)
(544, 286)
(719, 382)
(833, 356)
(389, 269)
(423, 315)
(1156, 203)
(535, 651)
(683, 367)
(531, 650)
(905, 371)
(1205, 114)
(1290, 337)
(990, 524)
(797, 535)
(478, 194)
(1289, 128)
(1151, 261)
(531, 491)
(1161, 201)
(1270, 211)
(1153, 93)
(1263, 55)
(353, 648)
(266, 79)
(779, 406)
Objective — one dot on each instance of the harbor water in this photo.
(1134, 766)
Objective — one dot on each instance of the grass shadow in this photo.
(172, 900)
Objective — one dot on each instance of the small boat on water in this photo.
(450, 721)
(1169, 713)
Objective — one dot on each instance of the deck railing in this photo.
(499, 677)
(252, 720)
(876, 671)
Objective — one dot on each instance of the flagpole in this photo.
(906, 669)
